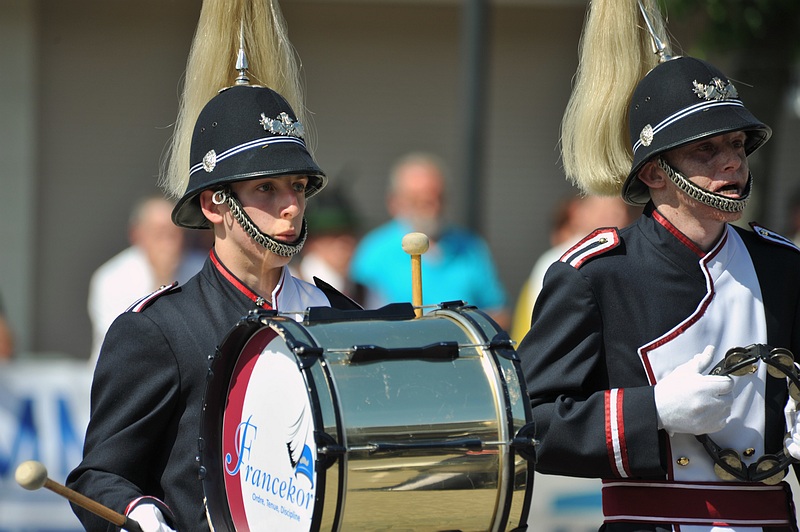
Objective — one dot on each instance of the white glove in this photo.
(792, 441)
(150, 518)
(689, 402)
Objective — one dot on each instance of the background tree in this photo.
(756, 42)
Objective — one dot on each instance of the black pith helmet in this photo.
(245, 132)
(680, 101)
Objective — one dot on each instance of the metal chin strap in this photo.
(279, 248)
(717, 201)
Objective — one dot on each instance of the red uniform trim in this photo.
(243, 288)
(596, 243)
(701, 310)
(166, 512)
(145, 301)
(698, 503)
(676, 232)
(615, 433)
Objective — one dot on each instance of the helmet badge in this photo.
(210, 161)
(283, 125)
(716, 90)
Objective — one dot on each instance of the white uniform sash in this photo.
(730, 315)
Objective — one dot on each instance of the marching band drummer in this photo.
(630, 322)
(249, 176)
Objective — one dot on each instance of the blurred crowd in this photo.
(367, 265)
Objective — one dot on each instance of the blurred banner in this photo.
(565, 504)
(44, 409)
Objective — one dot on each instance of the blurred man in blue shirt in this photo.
(458, 264)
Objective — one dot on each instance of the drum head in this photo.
(258, 447)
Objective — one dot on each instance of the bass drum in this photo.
(367, 420)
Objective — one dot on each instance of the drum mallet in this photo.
(32, 475)
(415, 244)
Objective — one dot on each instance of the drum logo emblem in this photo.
(304, 466)
(302, 462)
(270, 482)
(242, 439)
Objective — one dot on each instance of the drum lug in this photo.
(306, 355)
(525, 443)
(327, 448)
(504, 345)
(454, 305)
(259, 315)
(468, 444)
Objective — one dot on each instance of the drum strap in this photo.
(698, 503)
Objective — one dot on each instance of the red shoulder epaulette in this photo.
(596, 243)
(145, 301)
(772, 236)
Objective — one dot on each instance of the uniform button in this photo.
(683, 461)
(749, 451)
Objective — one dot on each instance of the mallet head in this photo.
(31, 475)
(415, 243)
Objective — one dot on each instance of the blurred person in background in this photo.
(333, 228)
(6, 335)
(793, 217)
(574, 218)
(157, 256)
(457, 266)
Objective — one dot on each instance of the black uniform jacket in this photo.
(596, 309)
(147, 398)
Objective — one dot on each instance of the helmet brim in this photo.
(635, 192)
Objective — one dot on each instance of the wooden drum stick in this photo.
(32, 475)
(415, 244)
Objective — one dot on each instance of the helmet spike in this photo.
(241, 60)
(659, 48)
